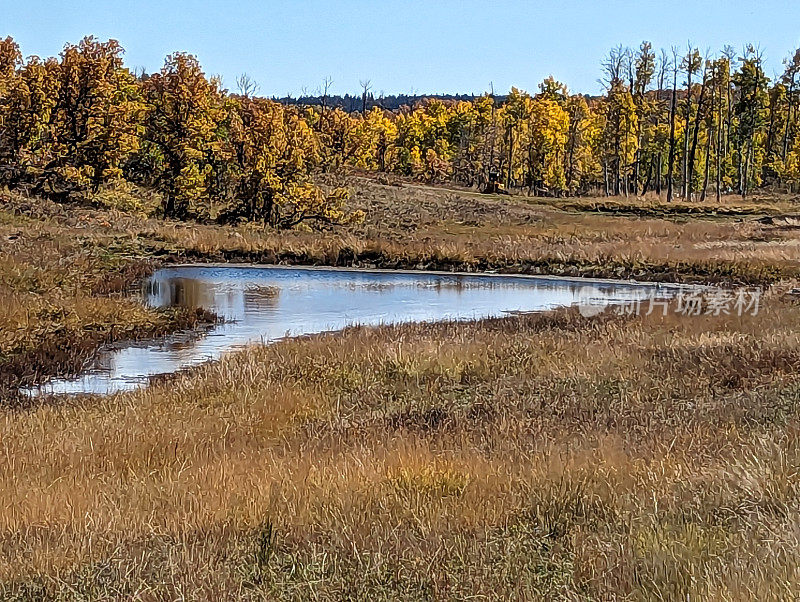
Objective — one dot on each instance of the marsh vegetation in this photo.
(550, 456)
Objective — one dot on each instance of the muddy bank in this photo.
(65, 351)
(678, 272)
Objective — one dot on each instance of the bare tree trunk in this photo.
(326, 86)
(728, 116)
(718, 166)
(718, 153)
(658, 174)
(488, 167)
(617, 160)
(671, 160)
(707, 166)
(688, 115)
(751, 140)
(693, 151)
(789, 98)
(510, 157)
(648, 178)
(365, 85)
(530, 171)
(770, 136)
(709, 135)
(571, 154)
(748, 159)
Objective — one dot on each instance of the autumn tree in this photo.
(790, 81)
(691, 64)
(513, 115)
(68, 125)
(10, 61)
(12, 106)
(783, 97)
(374, 137)
(751, 111)
(97, 122)
(583, 147)
(672, 116)
(26, 112)
(644, 65)
(621, 125)
(547, 133)
(424, 143)
(185, 135)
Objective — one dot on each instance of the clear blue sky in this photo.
(422, 46)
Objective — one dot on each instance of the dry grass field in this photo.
(530, 457)
(535, 457)
(422, 227)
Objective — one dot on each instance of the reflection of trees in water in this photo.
(440, 283)
(457, 284)
(462, 283)
(230, 302)
(185, 292)
(137, 356)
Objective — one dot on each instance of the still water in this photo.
(264, 304)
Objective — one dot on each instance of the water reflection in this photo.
(264, 304)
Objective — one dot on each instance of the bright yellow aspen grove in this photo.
(82, 125)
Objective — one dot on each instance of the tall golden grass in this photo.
(552, 457)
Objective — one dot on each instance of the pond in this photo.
(263, 304)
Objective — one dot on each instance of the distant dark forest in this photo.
(355, 102)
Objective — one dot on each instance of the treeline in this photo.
(80, 124)
(678, 123)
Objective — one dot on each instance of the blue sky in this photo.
(419, 46)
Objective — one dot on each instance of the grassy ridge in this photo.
(655, 207)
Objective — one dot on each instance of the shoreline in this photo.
(412, 272)
(41, 389)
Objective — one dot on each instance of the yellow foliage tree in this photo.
(620, 133)
(374, 138)
(275, 149)
(185, 133)
(96, 123)
(547, 129)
